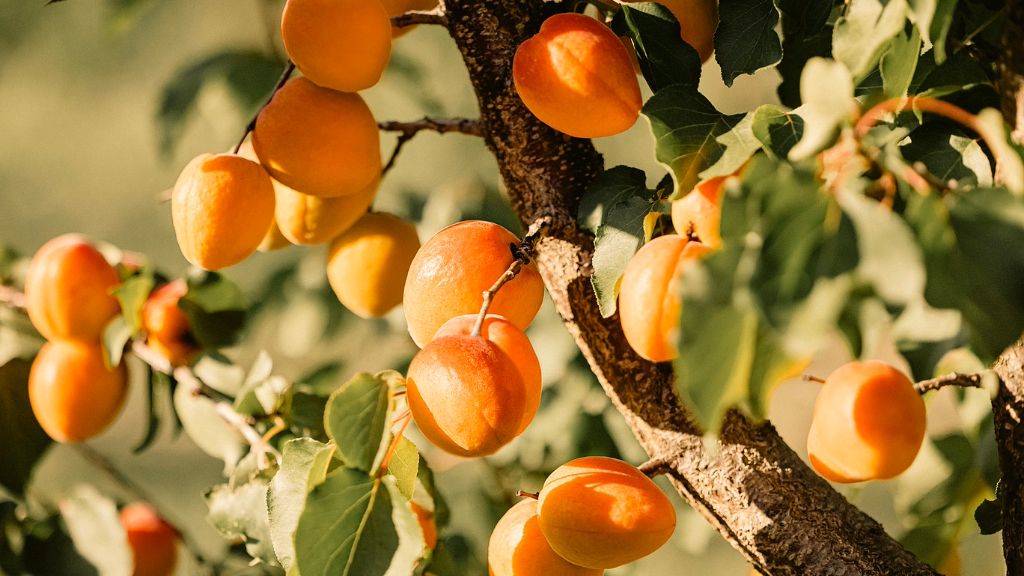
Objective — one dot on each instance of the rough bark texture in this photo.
(757, 492)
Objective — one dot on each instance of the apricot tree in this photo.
(879, 203)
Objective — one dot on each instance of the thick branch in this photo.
(757, 492)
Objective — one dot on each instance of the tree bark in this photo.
(755, 491)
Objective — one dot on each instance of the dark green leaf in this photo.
(777, 130)
(358, 420)
(804, 17)
(746, 40)
(665, 59)
(24, 441)
(949, 157)
(796, 52)
(158, 385)
(215, 307)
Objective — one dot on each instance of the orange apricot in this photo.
(343, 45)
(154, 542)
(367, 264)
(73, 394)
(318, 141)
(425, 518)
(649, 300)
(306, 219)
(601, 513)
(698, 20)
(576, 76)
(273, 240)
(518, 548)
(513, 342)
(168, 331)
(466, 395)
(453, 269)
(698, 215)
(868, 423)
(399, 7)
(222, 207)
(68, 290)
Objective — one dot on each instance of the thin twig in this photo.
(521, 255)
(288, 69)
(13, 298)
(435, 16)
(656, 466)
(952, 379)
(813, 378)
(256, 443)
(402, 140)
(408, 130)
(524, 494)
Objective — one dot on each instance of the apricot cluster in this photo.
(476, 384)
(168, 330)
(592, 514)
(153, 542)
(69, 295)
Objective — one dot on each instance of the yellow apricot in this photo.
(649, 300)
(868, 423)
(601, 513)
(306, 219)
(576, 76)
(518, 548)
(318, 141)
(68, 290)
(399, 7)
(466, 395)
(273, 240)
(366, 264)
(74, 396)
(451, 272)
(698, 20)
(222, 207)
(425, 519)
(343, 45)
(698, 215)
(154, 542)
(168, 331)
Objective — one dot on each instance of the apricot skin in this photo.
(698, 20)
(68, 290)
(466, 395)
(451, 272)
(73, 394)
(518, 548)
(366, 264)
(576, 76)
(868, 423)
(343, 45)
(601, 513)
(222, 207)
(167, 327)
(305, 219)
(649, 302)
(699, 213)
(153, 541)
(318, 141)
(427, 525)
(513, 342)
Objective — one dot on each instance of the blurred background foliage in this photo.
(103, 101)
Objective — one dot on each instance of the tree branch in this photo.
(952, 379)
(408, 130)
(436, 16)
(12, 298)
(756, 491)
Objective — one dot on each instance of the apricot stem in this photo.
(813, 378)
(522, 494)
(12, 298)
(407, 130)
(288, 69)
(521, 254)
(405, 417)
(657, 466)
(952, 379)
(436, 16)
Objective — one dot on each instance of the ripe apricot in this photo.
(699, 213)
(868, 423)
(74, 396)
(698, 20)
(343, 45)
(306, 219)
(649, 301)
(451, 272)
(466, 395)
(68, 290)
(601, 513)
(425, 518)
(273, 240)
(318, 141)
(399, 7)
(153, 541)
(222, 207)
(513, 342)
(576, 76)
(167, 327)
(518, 548)
(366, 264)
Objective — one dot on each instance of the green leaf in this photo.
(358, 420)
(262, 393)
(1009, 164)
(949, 157)
(132, 295)
(215, 307)
(116, 335)
(934, 19)
(746, 40)
(24, 440)
(804, 17)
(157, 387)
(777, 129)
(864, 33)
(209, 431)
(826, 89)
(989, 516)
(740, 144)
(797, 50)
(96, 530)
(239, 510)
(665, 59)
(404, 466)
(686, 128)
(614, 209)
(899, 63)
(304, 464)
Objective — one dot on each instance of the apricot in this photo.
(366, 264)
(318, 141)
(273, 240)
(153, 541)
(518, 548)
(306, 219)
(68, 290)
(425, 518)
(168, 331)
(343, 45)
(699, 213)
(698, 21)
(466, 395)
(576, 76)
(399, 7)
(868, 423)
(649, 300)
(601, 513)
(513, 342)
(222, 207)
(73, 394)
(453, 269)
